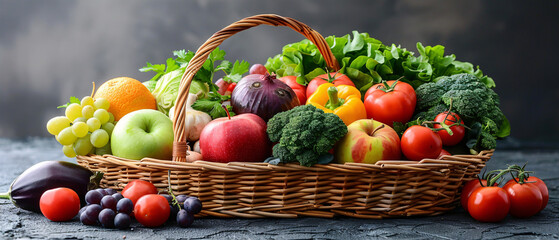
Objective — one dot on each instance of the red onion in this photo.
(263, 95)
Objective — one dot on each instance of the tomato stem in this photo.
(330, 77)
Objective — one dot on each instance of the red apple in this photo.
(368, 141)
(241, 138)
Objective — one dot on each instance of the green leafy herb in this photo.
(367, 61)
(209, 100)
(213, 105)
(72, 100)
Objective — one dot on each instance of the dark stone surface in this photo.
(16, 156)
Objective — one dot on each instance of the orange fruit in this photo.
(125, 95)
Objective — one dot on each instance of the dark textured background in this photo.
(51, 50)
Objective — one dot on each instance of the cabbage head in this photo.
(167, 88)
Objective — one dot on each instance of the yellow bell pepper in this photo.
(342, 100)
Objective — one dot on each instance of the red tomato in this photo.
(468, 189)
(489, 204)
(443, 153)
(525, 199)
(230, 89)
(543, 190)
(138, 188)
(257, 69)
(152, 210)
(222, 85)
(335, 78)
(458, 131)
(389, 105)
(299, 89)
(419, 142)
(59, 204)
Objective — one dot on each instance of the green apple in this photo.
(368, 141)
(143, 133)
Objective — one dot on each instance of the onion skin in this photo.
(263, 95)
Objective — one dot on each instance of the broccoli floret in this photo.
(428, 95)
(469, 98)
(304, 133)
(488, 125)
(431, 113)
(487, 141)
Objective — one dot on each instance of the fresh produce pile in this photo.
(384, 103)
(418, 105)
(59, 190)
(522, 196)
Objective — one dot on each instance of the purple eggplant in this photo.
(26, 190)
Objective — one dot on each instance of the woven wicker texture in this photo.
(256, 190)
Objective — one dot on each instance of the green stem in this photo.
(334, 102)
(5, 195)
(174, 201)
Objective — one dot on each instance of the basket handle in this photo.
(180, 146)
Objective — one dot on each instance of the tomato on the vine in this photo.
(389, 102)
(152, 210)
(59, 204)
(419, 142)
(458, 131)
(525, 198)
(138, 188)
(300, 90)
(489, 204)
(334, 78)
(543, 189)
(467, 190)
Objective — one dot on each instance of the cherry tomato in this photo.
(138, 188)
(225, 88)
(525, 199)
(230, 89)
(300, 90)
(390, 102)
(152, 210)
(59, 204)
(419, 142)
(334, 78)
(543, 189)
(468, 189)
(458, 131)
(444, 153)
(257, 69)
(489, 204)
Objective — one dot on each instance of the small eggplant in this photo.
(26, 190)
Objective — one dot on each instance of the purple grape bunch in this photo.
(107, 208)
(184, 209)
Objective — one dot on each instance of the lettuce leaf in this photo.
(367, 61)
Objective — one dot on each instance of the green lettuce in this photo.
(167, 88)
(165, 84)
(367, 61)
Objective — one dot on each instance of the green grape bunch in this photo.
(85, 128)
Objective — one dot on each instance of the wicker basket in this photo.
(256, 190)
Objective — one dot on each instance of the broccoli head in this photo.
(467, 96)
(304, 133)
